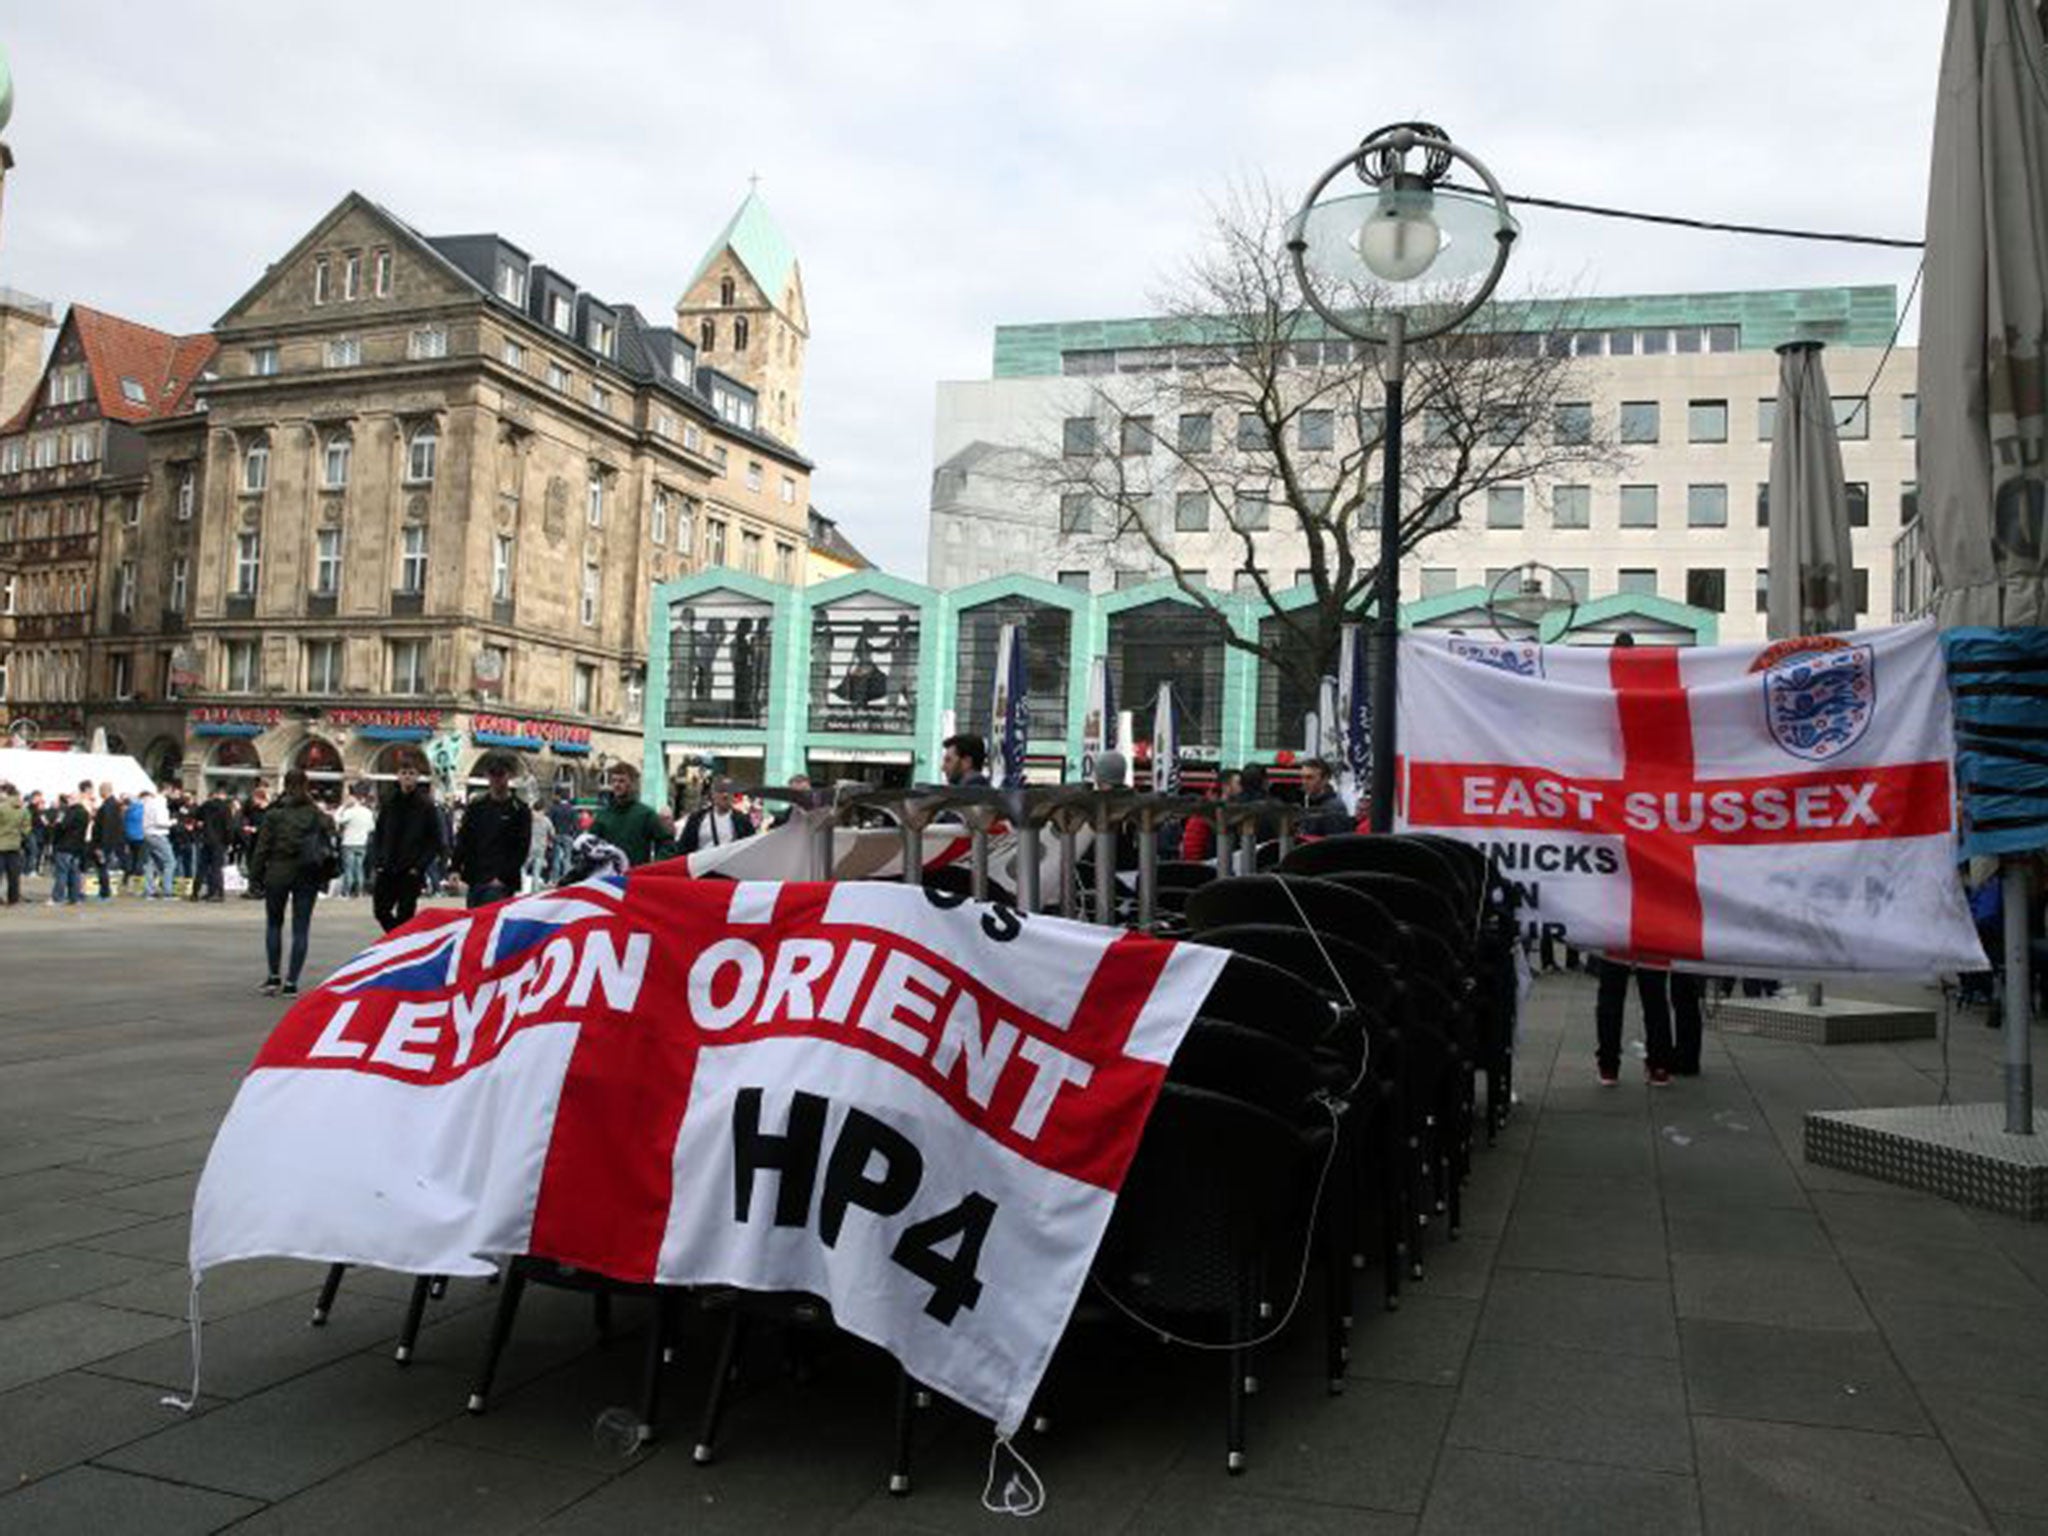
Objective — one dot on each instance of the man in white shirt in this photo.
(157, 863)
(355, 823)
(717, 823)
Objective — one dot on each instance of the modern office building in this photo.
(1684, 385)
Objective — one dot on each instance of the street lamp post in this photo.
(1530, 604)
(1409, 227)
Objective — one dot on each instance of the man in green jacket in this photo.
(14, 825)
(627, 822)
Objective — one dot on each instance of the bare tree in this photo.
(1259, 433)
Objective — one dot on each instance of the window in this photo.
(131, 511)
(1706, 421)
(750, 553)
(559, 377)
(13, 454)
(1707, 588)
(602, 337)
(561, 314)
(1504, 506)
(1506, 426)
(684, 526)
(1763, 590)
(514, 354)
(352, 275)
(1572, 422)
(785, 563)
(1196, 432)
(1763, 503)
(382, 263)
(1253, 512)
(1766, 420)
(714, 541)
(1859, 503)
(1859, 583)
(320, 280)
(82, 445)
(600, 398)
(1077, 513)
(255, 467)
(244, 666)
(421, 449)
(1909, 503)
(1191, 512)
(42, 451)
(1852, 417)
(1639, 506)
(1654, 343)
(1909, 415)
(753, 475)
(657, 517)
(1439, 580)
(593, 497)
(181, 578)
(495, 662)
(501, 568)
(1639, 421)
(412, 560)
(408, 665)
(1574, 584)
(726, 292)
(263, 361)
(664, 425)
(719, 457)
(788, 491)
(124, 587)
(334, 463)
(426, 342)
(511, 284)
(1317, 431)
(590, 590)
(344, 352)
(583, 688)
(1077, 436)
(692, 438)
(1571, 506)
(1706, 506)
(323, 666)
(1074, 581)
(1638, 582)
(1252, 436)
(1134, 436)
(707, 334)
(327, 562)
(739, 334)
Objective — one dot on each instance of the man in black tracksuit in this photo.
(497, 831)
(406, 839)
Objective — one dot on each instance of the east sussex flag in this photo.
(1774, 809)
(916, 1107)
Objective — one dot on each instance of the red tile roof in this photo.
(165, 366)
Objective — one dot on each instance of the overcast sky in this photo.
(939, 168)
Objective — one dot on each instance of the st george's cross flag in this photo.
(917, 1107)
(1772, 809)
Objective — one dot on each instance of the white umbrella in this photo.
(1810, 557)
(1098, 718)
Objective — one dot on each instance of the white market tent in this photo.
(57, 773)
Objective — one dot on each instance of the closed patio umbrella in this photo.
(1810, 558)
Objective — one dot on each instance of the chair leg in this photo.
(899, 1471)
(501, 1332)
(328, 1288)
(1233, 1432)
(415, 1310)
(660, 1328)
(721, 1382)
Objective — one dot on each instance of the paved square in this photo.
(1658, 1318)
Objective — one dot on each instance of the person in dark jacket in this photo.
(1325, 807)
(627, 822)
(70, 840)
(288, 864)
(718, 823)
(252, 812)
(217, 822)
(405, 841)
(109, 836)
(497, 833)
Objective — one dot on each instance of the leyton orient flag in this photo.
(1768, 808)
(917, 1107)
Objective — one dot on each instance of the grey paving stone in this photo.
(1956, 1274)
(250, 1351)
(1425, 1342)
(48, 1223)
(85, 1499)
(1478, 1493)
(1799, 1478)
(158, 1197)
(1189, 1509)
(1622, 1410)
(167, 1238)
(1880, 1218)
(1763, 1234)
(1797, 1376)
(1460, 1270)
(457, 1488)
(1371, 1448)
(67, 1334)
(229, 1288)
(61, 1420)
(1788, 1293)
(47, 1186)
(1595, 1312)
(1974, 1348)
(60, 1274)
(2001, 1443)
(276, 1443)
(1635, 1199)
(1593, 1157)
(1632, 1247)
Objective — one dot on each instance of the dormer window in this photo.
(133, 392)
(602, 336)
(679, 368)
(511, 284)
(561, 315)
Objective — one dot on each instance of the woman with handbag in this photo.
(294, 858)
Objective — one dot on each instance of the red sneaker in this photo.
(1658, 1076)
(1609, 1077)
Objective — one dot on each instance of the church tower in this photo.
(744, 309)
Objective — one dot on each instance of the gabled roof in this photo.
(828, 541)
(759, 244)
(116, 350)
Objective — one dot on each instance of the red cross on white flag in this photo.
(1779, 808)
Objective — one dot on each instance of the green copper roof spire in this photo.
(760, 245)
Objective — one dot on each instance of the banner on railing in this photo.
(1773, 808)
(916, 1107)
